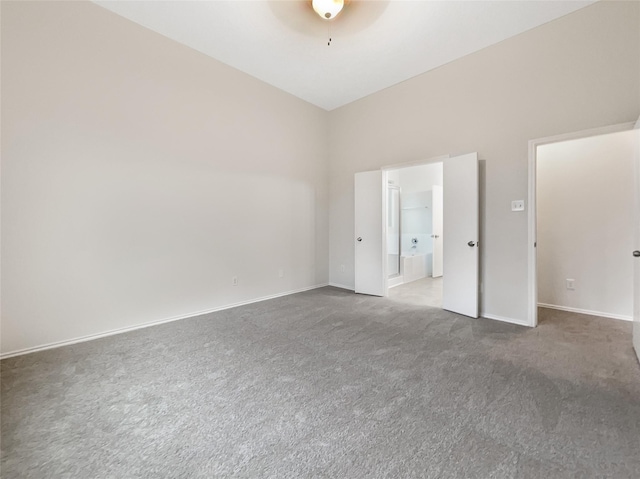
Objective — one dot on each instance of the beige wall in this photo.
(578, 72)
(585, 218)
(139, 177)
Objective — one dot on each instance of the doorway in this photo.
(414, 221)
(585, 216)
(460, 233)
(568, 285)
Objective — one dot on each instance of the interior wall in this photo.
(421, 177)
(140, 176)
(585, 218)
(417, 223)
(578, 72)
(417, 185)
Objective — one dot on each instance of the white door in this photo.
(636, 252)
(436, 218)
(461, 235)
(369, 234)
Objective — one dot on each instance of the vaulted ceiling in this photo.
(374, 43)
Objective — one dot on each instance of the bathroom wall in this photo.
(417, 223)
(414, 178)
(416, 183)
(417, 209)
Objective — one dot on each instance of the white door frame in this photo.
(438, 216)
(532, 316)
(635, 335)
(385, 179)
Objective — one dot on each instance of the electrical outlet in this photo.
(343, 268)
(571, 284)
(280, 273)
(234, 281)
(517, 205)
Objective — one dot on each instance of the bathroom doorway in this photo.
(460, 235)
(414, 219)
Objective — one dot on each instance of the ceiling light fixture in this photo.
(327, 9)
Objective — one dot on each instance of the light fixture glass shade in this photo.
(327, 9)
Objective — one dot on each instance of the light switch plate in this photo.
(517, 205)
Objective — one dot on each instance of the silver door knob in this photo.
(359, 239)
(471, 243)
(636, 253)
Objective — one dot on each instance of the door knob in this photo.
(471, 243)
(359, 239)
(636, 253)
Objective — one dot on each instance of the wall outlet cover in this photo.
(517, 205)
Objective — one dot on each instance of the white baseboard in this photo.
(91, 337)
(519, 322)
(341, 286)
(586, 311)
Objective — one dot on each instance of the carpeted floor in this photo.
(330, 384)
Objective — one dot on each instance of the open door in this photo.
(369, 234)
(461, 235)
(436, 223)
(636, 252)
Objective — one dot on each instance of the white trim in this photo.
(532, 234)
(113, 332)
(409, 164)
(635, 334)
(519, 322)
(621, 317)
(341, 286)
(532, 274)
(384, 177)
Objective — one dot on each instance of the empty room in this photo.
(204, 251)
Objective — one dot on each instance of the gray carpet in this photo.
(330, 384)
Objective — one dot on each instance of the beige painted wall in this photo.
(139, 177)
(585, 217)
(578, 72)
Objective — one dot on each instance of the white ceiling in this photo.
(375, 43)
